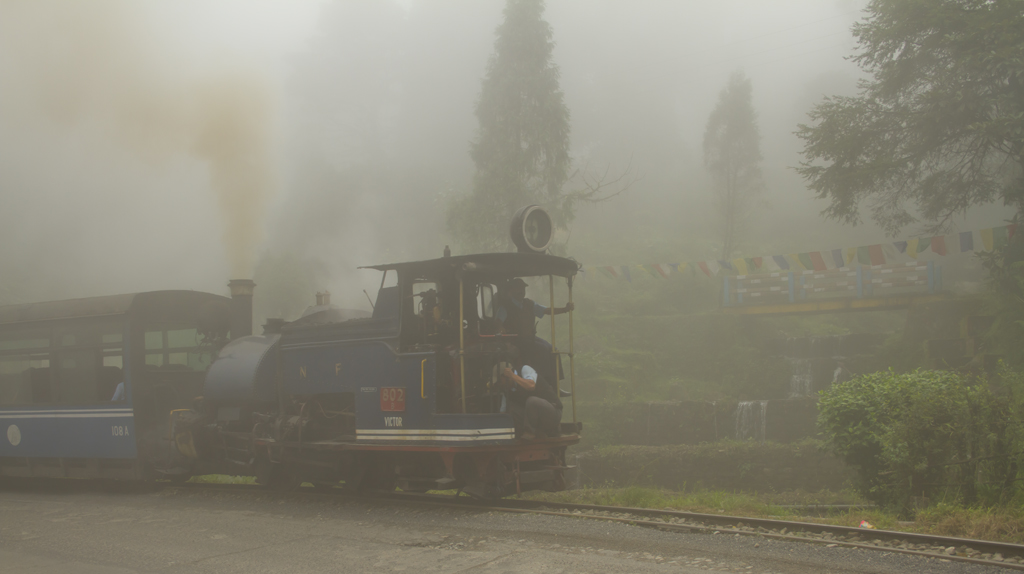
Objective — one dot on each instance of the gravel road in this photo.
(180, 530)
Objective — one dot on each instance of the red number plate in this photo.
(392, 399)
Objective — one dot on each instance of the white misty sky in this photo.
(637, 76)
(265, 30)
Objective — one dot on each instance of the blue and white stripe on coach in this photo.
(67, 413)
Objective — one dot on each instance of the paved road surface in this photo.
(87, 531)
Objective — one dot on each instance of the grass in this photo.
(1003, 524)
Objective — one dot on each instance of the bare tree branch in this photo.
(599, 187)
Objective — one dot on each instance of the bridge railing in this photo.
(844, 282)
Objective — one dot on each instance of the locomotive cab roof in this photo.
(496, 266)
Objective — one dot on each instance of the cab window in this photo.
(485, 301)
(426, 312)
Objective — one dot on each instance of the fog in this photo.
(155, 145)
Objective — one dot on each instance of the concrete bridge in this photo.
(861, 288)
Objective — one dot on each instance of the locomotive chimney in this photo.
(241, 307)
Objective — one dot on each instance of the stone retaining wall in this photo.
(695, 422)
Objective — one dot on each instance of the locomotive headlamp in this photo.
(532, 230)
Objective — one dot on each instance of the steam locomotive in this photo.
(172, 384)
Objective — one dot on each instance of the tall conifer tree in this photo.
(521, 150)
(732, 153)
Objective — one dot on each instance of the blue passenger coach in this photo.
(86, 385)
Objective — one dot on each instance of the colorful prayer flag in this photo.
(912, 247)
(837, 256)
(966, 241)
(986, 239)
(864, 255)
(805, 260)
(817, 261)
(740, 265)
(1000, 235)
(890, 252)
(876, 255)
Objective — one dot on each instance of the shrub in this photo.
(925, 433)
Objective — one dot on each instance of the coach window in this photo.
(177, 348)
(25, 376)
(91, 362)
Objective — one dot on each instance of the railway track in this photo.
(982, 552)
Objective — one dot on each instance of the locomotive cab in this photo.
(437, 296)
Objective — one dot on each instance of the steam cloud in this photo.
(89, 63)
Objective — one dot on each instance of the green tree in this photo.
(938, 127)
(732, 153)
(522, 148)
